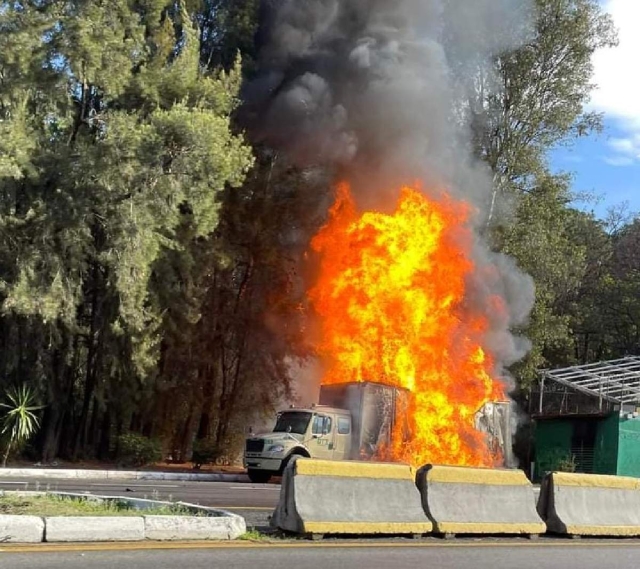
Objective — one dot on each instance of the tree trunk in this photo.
(91, 372)
(105, 435)
(92, 436)
(6, 453)
(51, 428)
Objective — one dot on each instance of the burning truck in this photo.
(407, 291)
(354, 421)
(391, 300)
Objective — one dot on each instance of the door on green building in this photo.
(583, 442)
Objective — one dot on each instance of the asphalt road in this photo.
(219, 494)
(255, 502)
(458, 556)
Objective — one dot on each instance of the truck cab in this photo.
(317, 432)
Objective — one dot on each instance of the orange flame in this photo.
(390, 297)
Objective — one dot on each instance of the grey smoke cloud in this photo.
(378, 85)
(379, 89)
(314, 122)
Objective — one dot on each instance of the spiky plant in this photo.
(19, 422)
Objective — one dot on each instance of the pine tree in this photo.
(113, 138)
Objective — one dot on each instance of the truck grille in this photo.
(255, 445)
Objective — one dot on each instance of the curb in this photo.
(215, 525)
(70, 474)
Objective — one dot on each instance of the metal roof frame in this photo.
(617, 381)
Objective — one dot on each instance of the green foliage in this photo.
(52, 505)
(607, 310)
(234, 311)
(228, 27)
(254, 535)
(138, 450)
(557, 460)
(543, 243)
(544, 87)
(567, 464)
(116, 148)
(19, 421)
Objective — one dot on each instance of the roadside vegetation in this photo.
(59, 506)
(19, 419)
(255, 535)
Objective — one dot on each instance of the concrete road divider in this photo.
(21, 529)
(460, 500)
(168, 528)
(94, 528)
(590, 504)
(196, 523)
(325, 497)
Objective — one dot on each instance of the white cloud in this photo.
(626, 150)
(618, 78)
(618, 161)
(623, 145)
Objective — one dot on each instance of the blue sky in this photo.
(607, 166)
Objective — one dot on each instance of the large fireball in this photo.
(391, 301)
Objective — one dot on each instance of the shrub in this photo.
(567, 464)
(20, 421)
(557, 460)
(138, 450)
(205, 451)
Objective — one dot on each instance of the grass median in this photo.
(48, 505)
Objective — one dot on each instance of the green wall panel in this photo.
(605, 456)
(629, 448)
(552, 443)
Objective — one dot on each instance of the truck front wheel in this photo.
(259, 476)
(288, 460)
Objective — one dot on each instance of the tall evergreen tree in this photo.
(115, 138)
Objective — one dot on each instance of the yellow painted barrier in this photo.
(591, 504)
(461, 500)
(320, 497)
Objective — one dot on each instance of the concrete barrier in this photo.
(168, 528)
(460, 500)
(94, 528)
(21, 529)
(324, 497)
(590, 504)
(198, 522)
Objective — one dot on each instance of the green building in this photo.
(597, 444)
(587, 420)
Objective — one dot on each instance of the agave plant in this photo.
(19, 422)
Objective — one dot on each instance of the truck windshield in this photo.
(297, 420)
